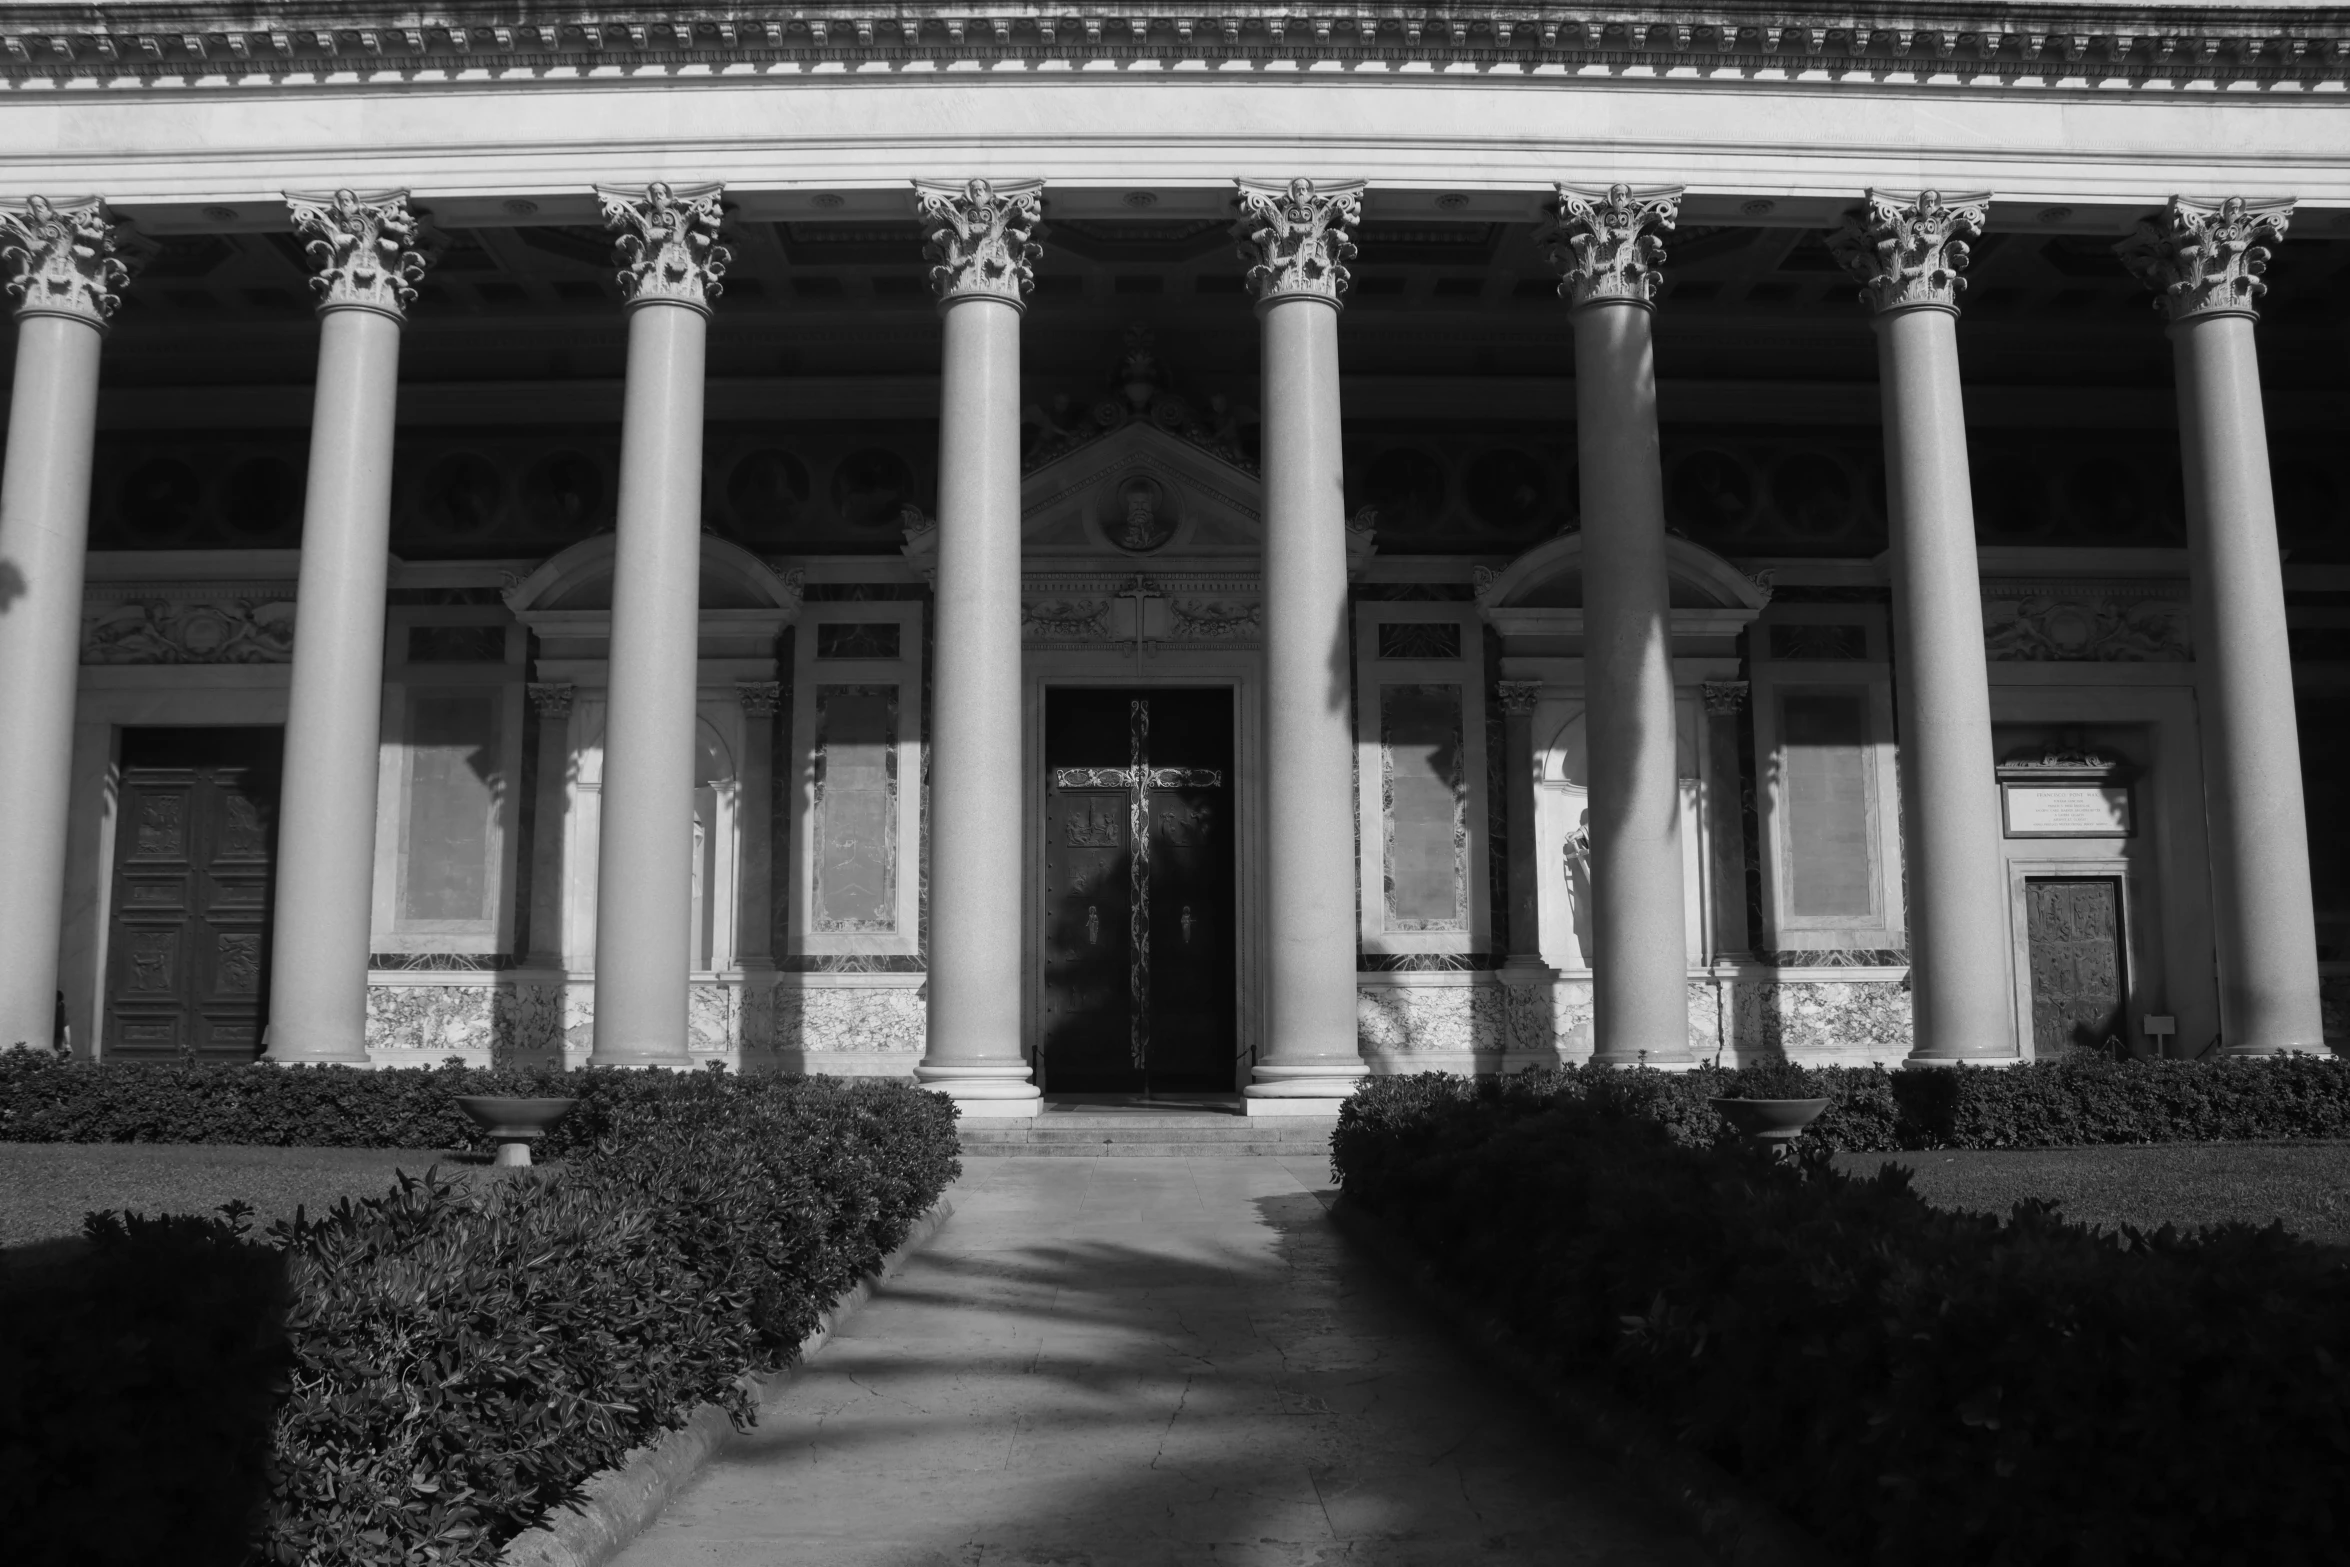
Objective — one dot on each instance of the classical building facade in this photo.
(1208, 549)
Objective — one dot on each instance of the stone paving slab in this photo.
(1144, 1363)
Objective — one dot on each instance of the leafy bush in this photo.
(459, 1356)
(1914, 1386)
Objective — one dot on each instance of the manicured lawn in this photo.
(45, 1188)
(2304, 1185)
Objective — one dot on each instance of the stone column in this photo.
(981, 257)
(671, 263)
(1907, 253)
(62, 272)
(1296, 241)
(1726, 820)
(754, 923)
(1605, 243)
(324, 915)
(1525, 871)
(2206, 258)
(553, 703)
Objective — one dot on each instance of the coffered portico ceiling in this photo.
(2087, 102)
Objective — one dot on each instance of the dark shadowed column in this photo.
(1605, 243)
(62, 271)
(1907, 252)
(1294, 238)
(2206, 258)
(981, 260)
(671, 263)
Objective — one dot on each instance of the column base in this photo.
(1298, 1105)
(1323, 1084)
(1951, 1060)
(983, 1090)
(1654, 1062)
(278, 1050)
(643, 1060)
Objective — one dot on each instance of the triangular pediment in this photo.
(1140, 494)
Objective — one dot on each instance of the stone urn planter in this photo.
(514, 1124)
(1770, 1124)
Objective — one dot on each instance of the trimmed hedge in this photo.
(1915, 1387)
(450, 1361)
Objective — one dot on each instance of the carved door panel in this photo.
(1138, 910)
(195, 864)
(2074, 932)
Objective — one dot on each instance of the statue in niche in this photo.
(1576, 854)
(1144, 523)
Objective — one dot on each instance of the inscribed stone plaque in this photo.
(452, 745)
(1823, 747)
(1422, 796)
(2067, 810)
(856, 808)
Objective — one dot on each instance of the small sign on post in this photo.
(2159, 1030)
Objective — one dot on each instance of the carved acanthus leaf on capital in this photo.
(760, 698)
(552, 699)
(1297, 237)
(1605, 243)
(981, 238)
(2206, 258)
(1725, 697)
(1518, 696)
(61, 258)
(365, 246)
(668, 248)
(1908, 251)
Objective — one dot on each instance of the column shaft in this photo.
(754, 924)
(1640, 968)
(973, 1050)
(1525, 866)
(1310, 1037)
(44, 537)
(644, 874)
(324, 912)
(2260, 885)
(547, 824)
(1961, 985)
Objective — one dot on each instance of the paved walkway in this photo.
(1144, 1363)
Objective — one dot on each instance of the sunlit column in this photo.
(671, 263)
(1907, 252)
(1605, 244)
(1518, 698)
(364, 246)
(754, 918)
(982, 260)
(2205, 259)
(552, 701)
(61, 270)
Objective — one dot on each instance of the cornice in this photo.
(1973, 43)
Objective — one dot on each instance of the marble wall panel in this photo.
(1820, 1020)
(847, 1018)
(423, 1025)
(1404, 1020)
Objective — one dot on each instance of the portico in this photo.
(668, 661)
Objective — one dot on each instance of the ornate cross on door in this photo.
(1138, 777)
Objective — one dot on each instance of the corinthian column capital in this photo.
(1295, 237)
(668, 248)
(1908, 251)
(1604, 242)
(1519, 696)
(364, 246)
(980, 238)
(60, 258)
(2205, 258)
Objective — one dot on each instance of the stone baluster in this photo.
(1605, 244)
(1295, 238)
(671, 263)
(61, 269)
(2205, 259)
(982, 257)
(553, 704)
(364, 247)
(1525, 870)
(1908, 252)
(1725, 824)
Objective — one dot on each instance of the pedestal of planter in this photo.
(1770, 1124)
(513, 1123)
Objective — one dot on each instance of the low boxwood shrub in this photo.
(1916, 1387)
(454, 1358)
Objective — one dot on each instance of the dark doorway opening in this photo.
(195, 863)
(1139, 989)
(2073, 928)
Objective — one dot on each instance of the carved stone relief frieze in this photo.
(1214, 619)
(1066, 620)
(2087, 622)
(162, 631)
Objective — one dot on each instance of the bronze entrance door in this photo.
(2073, 928)
(194, 870)
(1138, 892)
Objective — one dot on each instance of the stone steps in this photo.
(1161, 1135)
